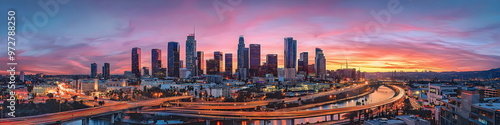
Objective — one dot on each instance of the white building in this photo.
(290, 73)
(439, 92)
(281, 74)
(44, 89)
(413, 120)
(184, 73)
(88, 85)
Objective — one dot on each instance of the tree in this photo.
(101, 103)
(50, 95)
(74, 98)
(351, 116)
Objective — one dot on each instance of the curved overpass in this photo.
(253, 104)
(243, 115)
(84, 113)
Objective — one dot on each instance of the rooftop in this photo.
(493, 106)
(384, 122)
(411, 118)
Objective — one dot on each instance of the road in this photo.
(84, 113)
(253, 104)
(324, 103)
(244, 115)
(70, 91)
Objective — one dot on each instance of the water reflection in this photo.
(381, 94)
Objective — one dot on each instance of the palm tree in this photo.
(74, 98)
(50, 95)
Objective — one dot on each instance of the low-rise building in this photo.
(44, 89)
(439, 92)
(485, 113)
(384, 121)
(456, 110)
(413, 120)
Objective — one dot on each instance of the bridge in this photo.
(285, 114)
(355, 89)
(86, 114)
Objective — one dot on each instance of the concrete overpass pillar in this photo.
(120, 116)
(113, 118)
(86, 121)
(137, 110)
(207, 122)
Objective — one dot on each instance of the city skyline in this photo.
(454, 37)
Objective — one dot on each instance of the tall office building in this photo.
(272, 63)
(201, 61)
(145, 71)
(191, 54)
(290, 57)
(240, 56)
(21, 76)
(212, 67)
(254, 59)
(136, 61)
(246, 58)
(303, 62)
(105, 71)
(290, 52)
(218, 57)
(93, 70)
(156, 63)
(173, 57)
(243, 71)
(181, 62)
(229, 63)
(320, 64)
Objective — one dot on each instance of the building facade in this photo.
(173, 57)
(191, 54)
(136, 61)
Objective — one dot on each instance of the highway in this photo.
(244, 115)
(253, 104)
(84, 113)
(324, 103)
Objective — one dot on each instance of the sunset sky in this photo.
(423, 35)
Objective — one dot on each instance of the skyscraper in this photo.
(93, 70)
(218, 57)
(240, 56)
(201, 61)
(145, 71)
(105, 71)
(290, 57)
(242, 71)
(254, 59)
(156, 63)
(136, 61)
(290, 52)
(212, 67)
(173, 59)
(229, 63)
(272, 63)
(304, 59)
(246, 58)
(320, 64)
(191, 54)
